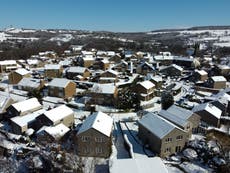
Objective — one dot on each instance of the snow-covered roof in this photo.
(112, 71)
(201, 72)
(58, 113)
(98, 121)
(8, 62)
(213, 110)
(27, 105)
(147, 84)
(177, 67)
(157, 125)
(176, 115)
(103, 88)
(142, 165)
(59, 82)
(4, 100)
(157, 78)
(52, 66)
(24, 120)
(77, 69)
(218, 78)
(22, 71)
(30, 82)
(57, 131)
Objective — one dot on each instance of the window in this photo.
(99, 139)
(168, 140)
(98, 150)
(178, 148)
(86, 150)
(180, 137)
(168, 150)
(85, 138)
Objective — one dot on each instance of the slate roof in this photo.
(157, 125)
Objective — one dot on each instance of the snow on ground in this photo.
(123, 116)
(121, 152)
(63, 38)
(224, 44)
(19, 30)
(3, 36)
(172, 169)
(136, 146)
(192, 168)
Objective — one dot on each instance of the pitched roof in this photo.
(147, 84)
(98, 121)
(27, 105)
(59, 82)
(157, 125)
(76, 69)
(201, 72)
(176, 115)
(22, 71)
(103, 88)
(213, 110)
(218, 78)
(24, 120)
(57, 131)
(58, 113)
(52, 66)
(30, 82)
(138, 165)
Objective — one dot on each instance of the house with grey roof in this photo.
(145, 68)
(172, 70)
(185, 119)
(31, 84)
(73, 72)
(103, 94)
(160, 135)
(210, 114)
(61, 87)
(94, 136)
(53, 70)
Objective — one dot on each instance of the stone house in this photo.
(172, 70)
(73, 72)
(8, 65)
(31, 84)
(200, 75)
(103, 94)
(20, 124)
(15, 76)
(210, 114)
(94, 136)
(145, 90)
(160, 135)
(183, 118)
(217, 82)
(23, 107)
(60, 87)
(61, 114)
(53, 71)
(145, 68)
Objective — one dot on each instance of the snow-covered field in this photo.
(63, 38)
